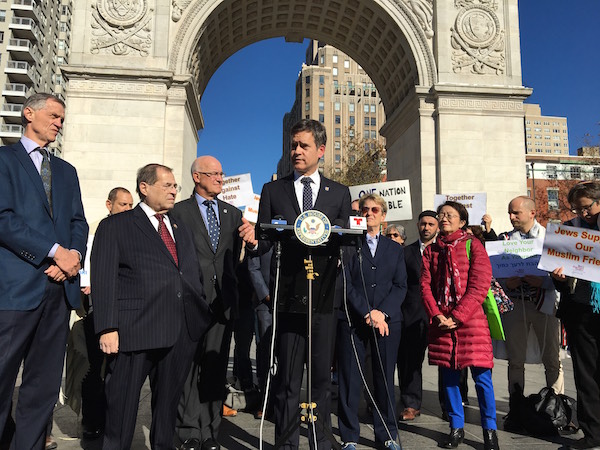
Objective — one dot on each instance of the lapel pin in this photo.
(174, 226)
(225, 211)
(327, 188)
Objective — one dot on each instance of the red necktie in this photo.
(166, 237)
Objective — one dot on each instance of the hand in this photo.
(558, 275)
(109, 342)
(513, 282)
(487, 222)
(67, 261)
(55, 274)
(533, 280)
(376, 319)
(86, 290)
(247, 234)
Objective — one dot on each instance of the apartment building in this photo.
(335, 90)
(546, 135)
(34, 42)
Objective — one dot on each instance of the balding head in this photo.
(207, 174)
(521, 211)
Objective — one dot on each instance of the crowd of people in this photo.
(171, 283)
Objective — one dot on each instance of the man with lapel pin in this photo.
(303, 190)
(218, 231)
(149, 308)
(43, 235)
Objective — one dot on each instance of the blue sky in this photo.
(245, 100)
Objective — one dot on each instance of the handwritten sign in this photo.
(476, 204)
(251, 211)
(395, 193)
(237, 190)
(515, 258)
(577, 250)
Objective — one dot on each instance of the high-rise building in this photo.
(335, 90)
(545, 134)
(34, 42)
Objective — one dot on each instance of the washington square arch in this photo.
(448, 73)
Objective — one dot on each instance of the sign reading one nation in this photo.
(576, 250)
(476, 204)
(395, 193)
(515, 258)
(237, 190)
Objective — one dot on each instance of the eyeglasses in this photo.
(448, 216)
(213, 174)
(583, 209)
(393, 235)
(374, 209)
(167, 187)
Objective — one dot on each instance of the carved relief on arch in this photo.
(178, 9)
(121, 27)
(478, 38)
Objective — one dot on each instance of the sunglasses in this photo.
(374, 209)
(393, 235)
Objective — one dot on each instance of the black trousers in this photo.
(127, 372)
(583, 336)
(37, 338)
(93, 401)
(411, 354)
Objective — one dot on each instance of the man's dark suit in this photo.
(159, 310)
(199, 413)
(384, 277)
(33, 310)
(413, 342)
(278, 199)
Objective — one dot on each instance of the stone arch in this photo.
(384, 37)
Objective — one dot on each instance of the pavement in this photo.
(243, 431)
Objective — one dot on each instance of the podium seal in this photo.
(312, 228)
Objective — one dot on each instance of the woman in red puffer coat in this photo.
(453, 288)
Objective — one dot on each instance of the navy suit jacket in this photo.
(384, 280)
(413, 309)
(28, 230)
(138, 288)
(278, 199)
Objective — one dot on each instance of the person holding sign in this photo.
(579, 311)
(534, 300)
(454, 287)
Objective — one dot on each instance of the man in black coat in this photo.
(149, 308)
(304, 189)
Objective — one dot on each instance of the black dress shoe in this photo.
(456, 436)
(490, 440)
(190, 444)
(211, 444)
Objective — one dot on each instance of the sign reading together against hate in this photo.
(515, 258)
(395, 193)
(576, 250)
(237, 190)
(476, 204)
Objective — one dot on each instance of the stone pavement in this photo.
(242, 432)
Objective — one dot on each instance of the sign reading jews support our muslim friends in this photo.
(476, 204)
(395, 193)
(237, 190)
(515, 258)
(576, 250)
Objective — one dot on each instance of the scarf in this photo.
(595, 287)
(450, 289)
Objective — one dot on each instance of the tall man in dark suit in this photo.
(43, 236)
(303, 190)
(149, 308)
(413, 341)
(218, 230)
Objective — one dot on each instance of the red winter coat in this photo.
(470, 344)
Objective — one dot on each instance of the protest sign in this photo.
(395, 193)
(476, 204)
(515, 258)
(237, 190)
(251, 211)
(576, 250)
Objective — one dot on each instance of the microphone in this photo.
(278, 220)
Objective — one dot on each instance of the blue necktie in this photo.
(307, 201)
(213, 225)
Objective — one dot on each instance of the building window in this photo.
(321, 106)
(596, 172)
(321, 79)
(2, 15)
(366, 121)
(322, 118)
(337, 120)
(307, 92)
(338, 157)
(351, 107)
(346, 64)
(322, 59)
(307, 106)
(337, 145)
(335, 59)
(1, 36)
(334, 72)
(373, 121)
(550, 170)
(352, 120)
(307, 80)
(338, 132)
(351, 132)
(373, 108)
(337, 106)
(366, 108)
(575, 172)
(552, 198)
(373, 134)
(321, 92)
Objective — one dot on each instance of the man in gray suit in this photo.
(218, 231)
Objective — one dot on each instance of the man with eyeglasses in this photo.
(149, 308)
(219, 231)
(535, 300)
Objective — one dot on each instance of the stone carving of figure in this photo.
(424, 12)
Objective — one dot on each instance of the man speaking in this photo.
(303, 190)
